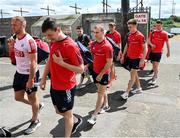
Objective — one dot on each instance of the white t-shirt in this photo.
(23, 47)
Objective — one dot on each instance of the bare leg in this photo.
(21, 96)
(133, 74)
(100, 99)
(33, 99)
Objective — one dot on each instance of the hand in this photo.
(29, 84)
(58, 59)
(10, 43)
(153, 46)
(43, 84)
(141, 63)
(99, 77)
(168, 54)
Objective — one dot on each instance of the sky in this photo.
(87, 6)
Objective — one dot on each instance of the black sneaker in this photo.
(76, 125)
(151, 72)
(41, 106)
(32, 127)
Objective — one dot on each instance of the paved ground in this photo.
(155, 112)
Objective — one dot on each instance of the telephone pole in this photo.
(21, 11)
(105, 6)
(76, 8)
(159, 9)
(48, 10)
(3, 13)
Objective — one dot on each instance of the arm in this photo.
(106, 67)
(46, 70)
(45, 74)
(145, 51)
(125, 50)
(168, 49)
(32, 72)
(141, 64)
(149, 41)
(123, 55)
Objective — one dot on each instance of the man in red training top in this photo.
(64, 63)
(102, 52)
(135, 50)
(116, 37)
(156, 41)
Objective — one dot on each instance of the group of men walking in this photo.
(65, 61)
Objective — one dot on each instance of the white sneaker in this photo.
(137, 90)
(125, 95)
(92, 120)
(154, 81)
(104, 109)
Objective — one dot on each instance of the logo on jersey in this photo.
(19, 53)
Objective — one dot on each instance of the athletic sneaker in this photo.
(76, 125)
(104, 109)
(41, 106)
(151, 72)
(137, 90)
(92, 120)
(125, 95)
(153, 82)
(32, 127)
(79, 86)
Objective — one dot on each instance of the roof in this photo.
(64, 20)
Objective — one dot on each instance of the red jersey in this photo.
(101, 52)
(62, 78)
(158, 38)
(116, 37)
(135, 45)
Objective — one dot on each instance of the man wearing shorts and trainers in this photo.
(116, 37)
(134, 54)
(102, 52)
(156, 41)
(26, 61)
(64, 63)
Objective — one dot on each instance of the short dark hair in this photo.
(112, 24)
(49, 23)
(132, 21)
(79, 27)
(159, 22)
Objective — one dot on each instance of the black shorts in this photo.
(155, 57)
(63, 99)
(104, 80)
(20, 81)
(132, 63)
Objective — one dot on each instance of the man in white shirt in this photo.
(25, 49)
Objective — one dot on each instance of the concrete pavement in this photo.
(155, 112)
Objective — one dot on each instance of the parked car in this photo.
(175, 31)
